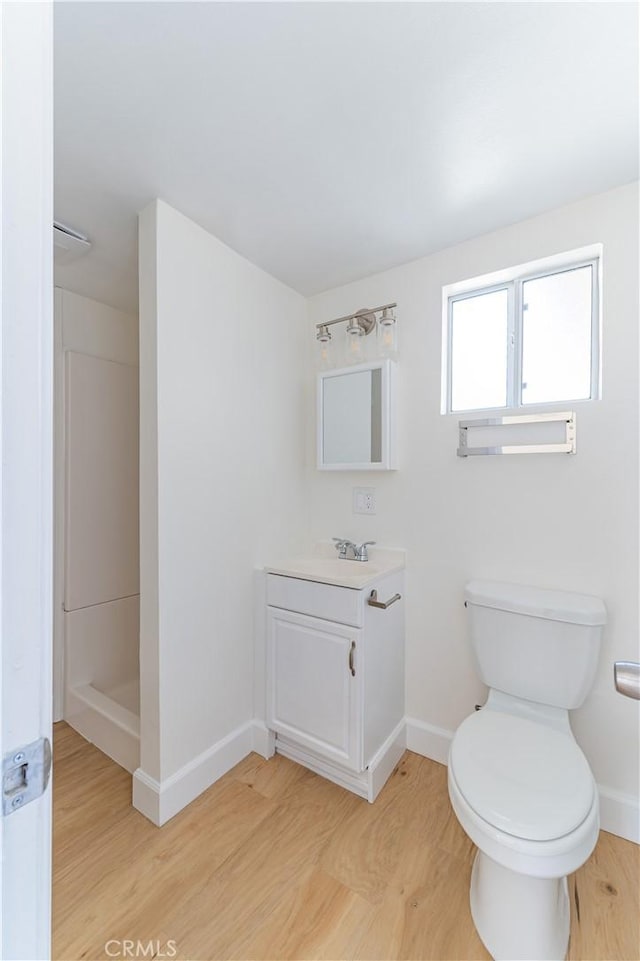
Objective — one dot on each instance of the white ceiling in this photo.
(328, 141)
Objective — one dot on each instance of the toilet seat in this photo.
(523, 778)
(537, 859)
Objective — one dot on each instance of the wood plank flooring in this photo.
(274, 862)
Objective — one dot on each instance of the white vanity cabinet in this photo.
(335, 678)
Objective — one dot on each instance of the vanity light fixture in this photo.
(359, 325)
(324, 338)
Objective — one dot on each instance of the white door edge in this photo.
(26, 463)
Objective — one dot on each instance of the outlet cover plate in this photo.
(364, 500)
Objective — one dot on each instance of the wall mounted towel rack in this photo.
(568, 446)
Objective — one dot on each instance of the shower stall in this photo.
(96, 631)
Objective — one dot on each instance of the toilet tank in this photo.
(536, 644)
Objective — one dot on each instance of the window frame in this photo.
(513, 282)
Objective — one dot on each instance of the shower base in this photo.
(109, 718)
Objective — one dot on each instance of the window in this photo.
(530, 337)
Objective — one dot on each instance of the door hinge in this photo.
(25, 774)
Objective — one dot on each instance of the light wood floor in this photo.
(273, 862)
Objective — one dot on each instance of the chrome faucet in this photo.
(360, 553)
(342, 546)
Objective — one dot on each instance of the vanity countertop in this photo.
(325, 567)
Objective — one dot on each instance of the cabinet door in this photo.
(314, 684)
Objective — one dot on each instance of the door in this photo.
(314, 685)
(26, 463)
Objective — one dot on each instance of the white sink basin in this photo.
(332, 570)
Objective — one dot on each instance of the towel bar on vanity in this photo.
(373, 601)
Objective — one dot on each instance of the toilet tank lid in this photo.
(537, 602)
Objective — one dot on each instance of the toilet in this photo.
(518, 782)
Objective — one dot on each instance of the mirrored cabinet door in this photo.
(355, 417)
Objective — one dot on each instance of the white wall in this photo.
(560, 522)
(101, 441)
(222, 465)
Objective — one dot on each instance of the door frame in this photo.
(58, 509)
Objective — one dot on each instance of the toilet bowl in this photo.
(533, 824)
(518, 782)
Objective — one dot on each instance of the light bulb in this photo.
(387, 331)
(355, 347)
(354, 341)
(325, 355)
(324, 340)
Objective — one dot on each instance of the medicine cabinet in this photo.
(355, 421)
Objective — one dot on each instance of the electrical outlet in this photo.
(364, 500)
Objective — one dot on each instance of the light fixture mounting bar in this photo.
(354, 315)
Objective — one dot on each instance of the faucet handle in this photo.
(361, 553)
(342, 544)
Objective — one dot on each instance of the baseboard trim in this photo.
(160, 801)
(146, 796)
(619, 812)
(428, 740)
(264, 740)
